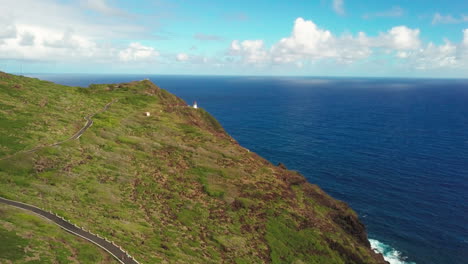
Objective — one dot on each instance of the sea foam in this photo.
(390, 254)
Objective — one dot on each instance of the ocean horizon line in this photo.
(246, 76)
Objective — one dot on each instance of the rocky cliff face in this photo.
(172, 187)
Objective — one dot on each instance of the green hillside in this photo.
(169, 188)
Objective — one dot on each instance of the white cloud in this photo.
(66, 31)
(67, 40)
(400, 38)
(69, 15)
(50, 30)
(252, 51)
(27, 39)
(463, 49)
(448, 56)
(138, 52)
(351, 49)
(465, 37)
(402, 54)
(448, 19)
(309, 43)
(46, 44)
(307, 38)
(182, 57)
(435, 57)
(338, 6)
(193, 59)
(7, 29)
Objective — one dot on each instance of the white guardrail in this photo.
(71, 231)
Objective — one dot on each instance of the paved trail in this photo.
(117, 252)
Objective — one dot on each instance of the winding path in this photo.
(77, 135)
(117, 252)
(89, 123)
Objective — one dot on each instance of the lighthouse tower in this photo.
(195, 105)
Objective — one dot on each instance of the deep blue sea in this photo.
(396, 150)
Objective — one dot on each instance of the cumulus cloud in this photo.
(352, 48)
(252, 51)
(448, 19)
(338, 6)
(138, 52)
(307, 38)
(435, 56)
(400, 38)
(308, 43)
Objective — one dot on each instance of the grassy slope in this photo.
(27, 238)
(169, 188)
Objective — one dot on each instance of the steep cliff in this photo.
(172, 187)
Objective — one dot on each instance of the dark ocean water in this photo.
(396, 150)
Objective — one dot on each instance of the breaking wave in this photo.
(390, 254)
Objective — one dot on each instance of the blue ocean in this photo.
(396, 150)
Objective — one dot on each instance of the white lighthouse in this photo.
(195, 105)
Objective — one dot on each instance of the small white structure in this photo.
(147, 114)
(195, 105)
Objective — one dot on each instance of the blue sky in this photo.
(400, 38)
